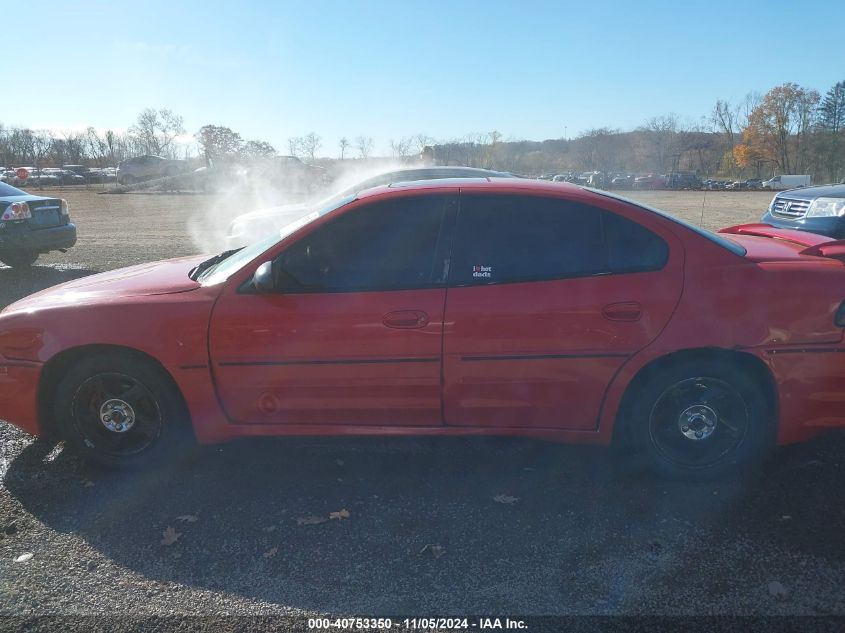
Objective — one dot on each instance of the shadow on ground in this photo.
(18, 283)
(571, 533)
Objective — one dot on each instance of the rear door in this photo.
(547, 299)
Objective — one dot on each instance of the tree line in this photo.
(790, 129)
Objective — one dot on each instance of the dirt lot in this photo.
(578, 536)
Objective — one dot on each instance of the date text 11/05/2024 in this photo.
(417, 623)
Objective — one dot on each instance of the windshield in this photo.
(223, 270)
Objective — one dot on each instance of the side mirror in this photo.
(263, 278)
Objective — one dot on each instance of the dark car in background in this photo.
(32, 225)
(682, 180)
(818, 209)
(140, 168)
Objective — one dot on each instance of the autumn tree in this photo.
(252, 150)
(218, 142)
(781, 125)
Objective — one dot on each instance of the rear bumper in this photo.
(41, 240)
(832, 227)
(19, 394)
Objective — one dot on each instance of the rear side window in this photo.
(388, 245)
(631, 247)
(501, 239)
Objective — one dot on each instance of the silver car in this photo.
(253, 226)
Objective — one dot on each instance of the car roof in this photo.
(487, 184)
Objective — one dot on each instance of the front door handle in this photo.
(406, 319)
(623, 311)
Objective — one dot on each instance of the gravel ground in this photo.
(422, 527)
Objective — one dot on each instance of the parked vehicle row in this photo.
(56, 176)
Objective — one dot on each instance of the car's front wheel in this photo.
(19, 259)
(119, 409)
(701, 419)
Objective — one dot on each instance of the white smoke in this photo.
(209, 225)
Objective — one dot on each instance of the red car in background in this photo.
(450, 307)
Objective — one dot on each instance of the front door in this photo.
(547, 299)
(353, 334)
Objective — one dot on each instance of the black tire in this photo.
(700, 419)
(120, 410)
(19, 259)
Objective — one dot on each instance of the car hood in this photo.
(811, 193)
(155, 278)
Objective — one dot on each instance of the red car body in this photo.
(549, 359)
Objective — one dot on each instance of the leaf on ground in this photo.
(778, 591)
(88, 483)
(340, 514)
(269, 528)
(436, 550)
(311, 519)
(187, 518)
(24, 557)
(169, 536)
(270, 553)
(505, 499)
(339, 462)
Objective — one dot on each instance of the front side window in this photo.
(501, 239)
(388, 245)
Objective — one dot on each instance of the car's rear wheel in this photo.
(701, 419)
(121, 410)
(19, 259)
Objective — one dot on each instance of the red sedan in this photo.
(457, 307)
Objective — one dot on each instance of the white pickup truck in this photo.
(788, 181)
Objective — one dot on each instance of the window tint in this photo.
(632, 247)
(521, 238)
(387, 245)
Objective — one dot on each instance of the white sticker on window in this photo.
(482, 271)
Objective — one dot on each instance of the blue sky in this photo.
(532, 70)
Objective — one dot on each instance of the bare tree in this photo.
(295, 146)
(344, 145)
(364, 145)
(155, 131)
(311, 142)
(401, 148)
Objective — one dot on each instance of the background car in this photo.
(819, 209)
(650, 181)
(32, 225)
(256, 225)
(148, 167)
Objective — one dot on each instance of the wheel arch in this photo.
(755, 367)
(55, 369)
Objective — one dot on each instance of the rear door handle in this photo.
(623, 311)
(406, 319)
